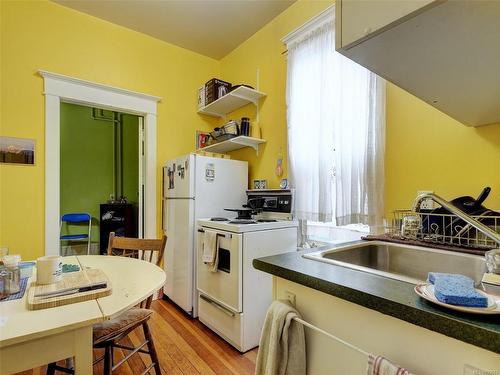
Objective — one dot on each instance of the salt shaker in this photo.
(4, 280)
(11, 263)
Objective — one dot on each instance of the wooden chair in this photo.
(106, 335)
(137, 248)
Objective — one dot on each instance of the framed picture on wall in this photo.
(17, 150)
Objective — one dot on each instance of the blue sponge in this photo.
(432, 276)
(456, 290)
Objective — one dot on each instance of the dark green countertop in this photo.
(391, 297)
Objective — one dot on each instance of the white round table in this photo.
(33, 338)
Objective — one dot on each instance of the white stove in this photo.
(232, 225)
(233, 298)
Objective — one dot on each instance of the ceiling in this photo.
(212, 28)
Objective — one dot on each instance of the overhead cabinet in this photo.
(444, 52)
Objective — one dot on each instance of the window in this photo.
(336, 132)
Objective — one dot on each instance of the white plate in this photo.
(426, 291)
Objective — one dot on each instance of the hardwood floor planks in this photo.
(184, 345)
(188, 352)
(204, 352)
(236, 362)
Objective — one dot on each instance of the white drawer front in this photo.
(223, 321)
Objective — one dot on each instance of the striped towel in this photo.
(22, 288)
(378, 365)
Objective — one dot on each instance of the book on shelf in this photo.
(201, 97)
(202, 139)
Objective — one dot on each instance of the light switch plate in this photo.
(290, 297)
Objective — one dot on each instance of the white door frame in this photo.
(59, 88)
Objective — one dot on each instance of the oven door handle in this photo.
(200, 230)
(225, 310)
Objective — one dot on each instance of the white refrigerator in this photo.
(195, 187)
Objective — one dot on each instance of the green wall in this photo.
(87, 162)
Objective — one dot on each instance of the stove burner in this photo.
(242, 221)
(219, 219)
(267, 221)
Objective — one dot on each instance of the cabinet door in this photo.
(357, 19)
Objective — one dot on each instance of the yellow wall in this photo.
(43, 35)
(263, 51)
(426, 150)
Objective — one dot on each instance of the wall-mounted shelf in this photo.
(232, 101)
(235, 144)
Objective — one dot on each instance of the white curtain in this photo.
(310, 117)
(336, 132)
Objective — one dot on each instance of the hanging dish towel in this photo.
(282, 349)
(378, 365)
(210, 254)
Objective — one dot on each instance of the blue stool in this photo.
(76, 218)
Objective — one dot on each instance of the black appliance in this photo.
(120, 218)
(261, 201)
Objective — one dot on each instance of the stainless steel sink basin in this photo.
(401, 262)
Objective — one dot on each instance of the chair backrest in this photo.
(76, 217)
(139, 248)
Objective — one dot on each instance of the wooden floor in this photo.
(184, 345)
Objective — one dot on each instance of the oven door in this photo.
(224, 286)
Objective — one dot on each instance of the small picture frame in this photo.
(260, 184)
(17, 150)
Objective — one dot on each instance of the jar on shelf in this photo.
(245, 126)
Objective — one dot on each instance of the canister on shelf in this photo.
(255, 130)
(245, 126)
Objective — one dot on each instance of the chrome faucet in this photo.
(487, 231)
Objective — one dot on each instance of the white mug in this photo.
(48, 269)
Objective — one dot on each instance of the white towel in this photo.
(378, 365)
(210, 254)
(282, 348)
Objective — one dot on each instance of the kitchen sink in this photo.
(402, 262)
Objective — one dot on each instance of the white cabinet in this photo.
(420, 350)
(443, 52)
(362, 18)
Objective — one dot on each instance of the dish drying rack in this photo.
(442, 229)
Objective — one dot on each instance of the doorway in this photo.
(60, 89)
(101, 158)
